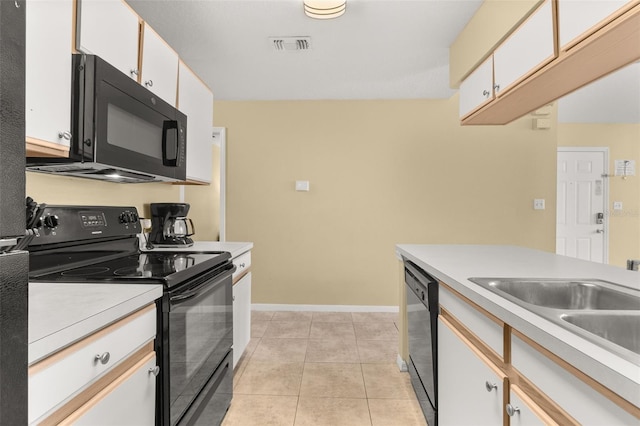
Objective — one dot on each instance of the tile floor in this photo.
(322, 368)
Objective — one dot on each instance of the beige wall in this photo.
(381, 173)
(204, 201)
(623, 143)
(50, 189)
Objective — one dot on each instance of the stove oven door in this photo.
(197, 336)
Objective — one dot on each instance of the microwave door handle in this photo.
(166, 126)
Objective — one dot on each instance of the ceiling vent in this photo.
(290, 43)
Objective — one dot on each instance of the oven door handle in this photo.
(190, 294)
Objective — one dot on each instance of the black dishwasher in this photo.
(422, 316)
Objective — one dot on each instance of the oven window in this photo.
(200, 335)
(133, 133)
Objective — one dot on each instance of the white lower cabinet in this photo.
(128, 400)
(579, 400)
(241, 316)
(72, 381)
(470, 387)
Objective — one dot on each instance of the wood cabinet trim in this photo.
(58, 356)
(608, 49)
(628, 406)
(83, 397)
(39, 148)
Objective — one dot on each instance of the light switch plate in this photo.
(302, 185)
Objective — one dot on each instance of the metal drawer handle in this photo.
(133, 71)
(104, 358)
(155, 370)
(242, 265)
(490, 386)
(486, 93)
(149, 83)
(511, 410)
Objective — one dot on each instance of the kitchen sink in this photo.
(563, 294)
(619, 328)
(602, 312)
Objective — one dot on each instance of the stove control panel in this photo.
(59, 224)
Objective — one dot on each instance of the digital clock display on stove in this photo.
(93, 219)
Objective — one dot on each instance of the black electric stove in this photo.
(99, 244)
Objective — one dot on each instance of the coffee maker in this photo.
(170, 226)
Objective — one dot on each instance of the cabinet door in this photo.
(196, 101)
(109, 29)
(470, 388)
(579, 18)
(527, 49)
(128, 400)
(241, 316)
(524, 412)
(48, 70)
(159, 71)
(477, 88)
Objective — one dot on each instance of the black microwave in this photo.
(120, 131)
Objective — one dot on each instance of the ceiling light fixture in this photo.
(324, 9)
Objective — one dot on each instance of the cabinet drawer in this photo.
(62, 375)
(482, 326)
(128, 400)
(242, 262)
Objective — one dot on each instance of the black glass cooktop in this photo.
(158, 266)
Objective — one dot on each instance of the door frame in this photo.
(605, 191)
(219, 135)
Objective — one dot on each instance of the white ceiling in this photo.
(379, 49)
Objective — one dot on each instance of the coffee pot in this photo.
(170, 226)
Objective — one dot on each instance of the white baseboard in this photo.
(402, 365)
(322, 308)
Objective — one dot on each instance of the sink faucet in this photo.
(633, 265)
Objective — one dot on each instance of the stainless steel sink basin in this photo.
(602, 312)
(620, 328)
(563, 294)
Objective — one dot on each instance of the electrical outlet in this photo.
(617, 205)
(538, 204)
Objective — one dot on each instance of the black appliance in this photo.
(422, 315)
(13, 261)
(97, 244)
(120, 131)
(170, 225)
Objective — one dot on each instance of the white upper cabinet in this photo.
(196, 101)
(159, 71)
(48, 70)
(477, 88)
(109, 29)
(527, 49)
(579, 18)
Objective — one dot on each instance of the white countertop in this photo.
(235, 248)
(61, 313)
(454, 264)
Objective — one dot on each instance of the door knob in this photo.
(104, 358)
(490, 386)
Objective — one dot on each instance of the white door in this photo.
(581, 198)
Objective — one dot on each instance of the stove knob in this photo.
(123, 218)
(51, 221)
(134, 217)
